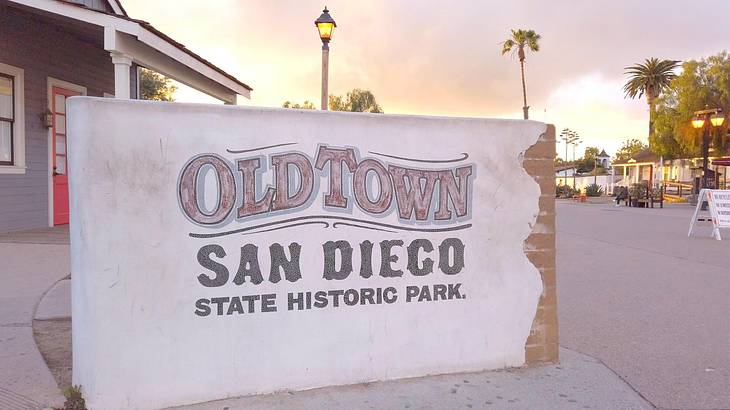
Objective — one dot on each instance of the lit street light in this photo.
(325, 26)
(709, 117)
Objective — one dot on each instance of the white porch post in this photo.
(612, 185)
(122, 82)
(661, 170)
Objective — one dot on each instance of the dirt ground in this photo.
(53, 338)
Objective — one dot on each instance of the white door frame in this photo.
(54, 82)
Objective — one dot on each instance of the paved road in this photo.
(649, 302)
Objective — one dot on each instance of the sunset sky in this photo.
(443, 58)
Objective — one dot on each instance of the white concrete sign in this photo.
(222, 251)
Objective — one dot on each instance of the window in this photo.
(12, 122)
(7, 117)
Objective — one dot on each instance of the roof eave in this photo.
(145, 33)
(116, 5)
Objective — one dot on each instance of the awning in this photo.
(725, 161)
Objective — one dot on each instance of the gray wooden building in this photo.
(51, 50)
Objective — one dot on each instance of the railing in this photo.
(677, 190)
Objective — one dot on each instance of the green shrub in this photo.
(639, 190)
(74, 399)
(564, 191)
(594, 190)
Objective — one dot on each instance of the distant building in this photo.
(639, 167)
(647, 166)
(564, 174)
(568, 175)
(565, 170)
(604, 159)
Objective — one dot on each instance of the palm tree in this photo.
(520, 40)
(650, 78)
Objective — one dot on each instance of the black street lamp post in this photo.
(325, 26)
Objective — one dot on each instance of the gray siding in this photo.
(43, 48)
(101, 5)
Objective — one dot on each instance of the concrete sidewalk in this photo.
(578, 382)
(27, 271)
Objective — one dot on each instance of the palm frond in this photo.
(507, 46)
(521, 39)
(649, 78)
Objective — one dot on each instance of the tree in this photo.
(356, 100)
(630, 148)
(702, 83)
(306, 105)
(519, 41)
(663, 141)
(591, 153)
(588, 162)
(650, 78)
(154, 86)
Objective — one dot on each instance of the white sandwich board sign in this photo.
(222, 251)
(718, 205)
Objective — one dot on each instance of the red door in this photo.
(60, 161)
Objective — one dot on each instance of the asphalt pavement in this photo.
(654, 305)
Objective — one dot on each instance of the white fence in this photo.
(607, 182)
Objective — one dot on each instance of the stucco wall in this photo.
(145, 253)
(43, 50)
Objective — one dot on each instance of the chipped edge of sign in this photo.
(539, 247)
